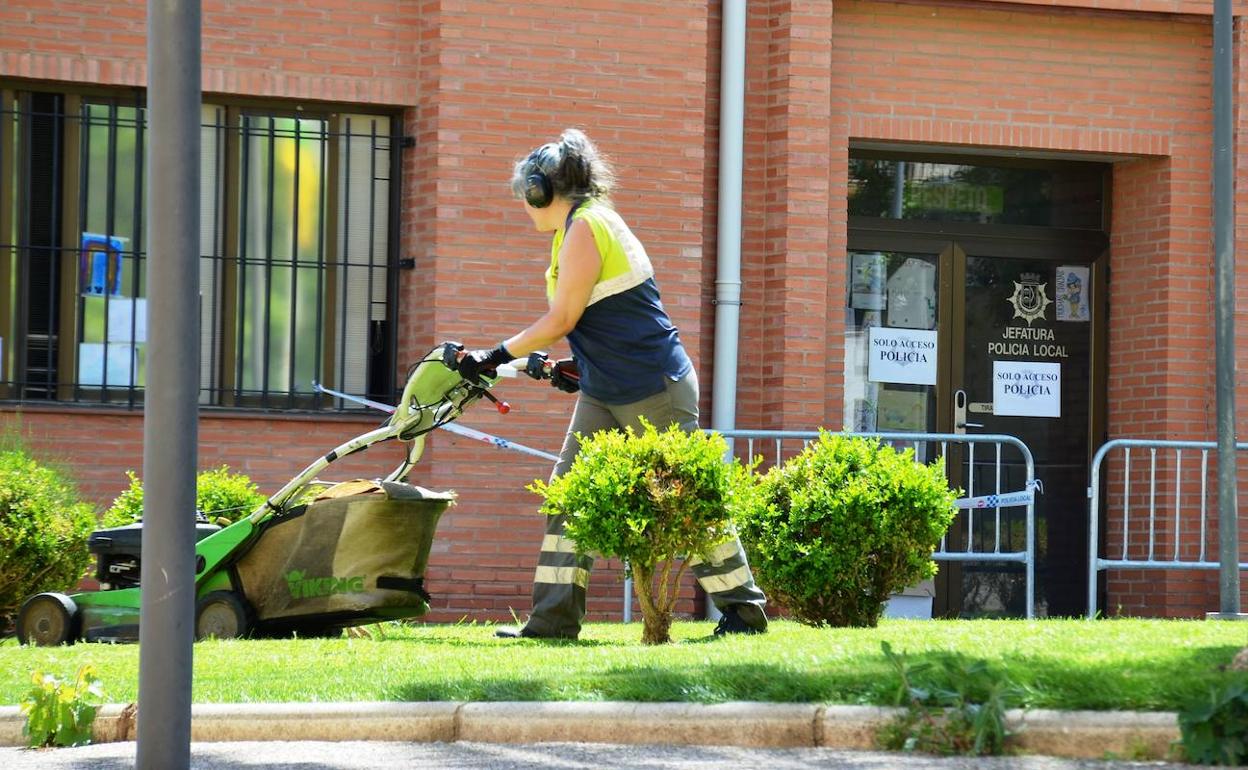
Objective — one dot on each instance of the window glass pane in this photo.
(9, 239)
(212, 138)
(112, 338)
(1069, 195)
(890, 342)
(283, 231)
(364, 200)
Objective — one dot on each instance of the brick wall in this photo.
(97, 446)
(481, 83)
(786, 315)
(336, 50)
(509, 78)
(986, 75)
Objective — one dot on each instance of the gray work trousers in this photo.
(562, 576)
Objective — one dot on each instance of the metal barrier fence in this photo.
(1169, 542)
(979, 545)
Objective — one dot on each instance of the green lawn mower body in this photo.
(355, 553)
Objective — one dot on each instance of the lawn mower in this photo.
(303, 562)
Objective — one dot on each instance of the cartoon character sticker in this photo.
(1072, 294)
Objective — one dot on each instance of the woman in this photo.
(629, 364)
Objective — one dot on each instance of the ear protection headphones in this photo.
(539, 191)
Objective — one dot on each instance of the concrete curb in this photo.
(1093, 734)
(769, 725)
(1074, 734)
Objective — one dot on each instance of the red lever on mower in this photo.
(502, 406)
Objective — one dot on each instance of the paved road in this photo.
(560, 756)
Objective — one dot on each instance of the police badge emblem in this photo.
(1029, 299)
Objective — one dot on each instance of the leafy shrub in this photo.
(958, 708)
(219, 493)
(649, 499)
(44, 528)
(840, 527)
(59, 713)
(1214, 731)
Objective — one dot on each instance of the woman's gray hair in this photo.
(573, 165)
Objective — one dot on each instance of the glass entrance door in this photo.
(1023, 366)
(1013, 325)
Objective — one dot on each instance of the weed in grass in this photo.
(959, 711)
(1214, 729)
(60, 713)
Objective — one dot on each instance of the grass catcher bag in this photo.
(354, 555)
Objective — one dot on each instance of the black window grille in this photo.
(298, 213)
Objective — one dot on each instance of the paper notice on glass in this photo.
(902, 355)
(127, 320)
(863, 417)
(1071, 287)
(122, 365)
(912, 295)
(866, 281)
(1026, 389)
(901, 410)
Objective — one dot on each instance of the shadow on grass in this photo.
(1157, 683)
(1168, 683)
(647, 684)
(488, 639)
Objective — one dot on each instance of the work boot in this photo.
(731, 622)
(513, 632)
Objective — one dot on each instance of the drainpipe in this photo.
(728, 236)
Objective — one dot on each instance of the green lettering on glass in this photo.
(955, 196)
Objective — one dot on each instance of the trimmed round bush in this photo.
(837, 529)
(44, 526)
(220, 493)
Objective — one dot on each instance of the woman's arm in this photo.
(579, 267)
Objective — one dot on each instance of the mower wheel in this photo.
(47, 620)
(222, 615)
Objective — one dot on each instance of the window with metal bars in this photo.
(298, 223)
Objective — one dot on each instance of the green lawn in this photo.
(1065, 664)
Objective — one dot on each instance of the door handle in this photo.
(959, 414)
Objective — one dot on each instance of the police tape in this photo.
(1002, 500)
(501, 443)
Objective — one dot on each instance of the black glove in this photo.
(478, 362)
(535, 367)
(565, 375)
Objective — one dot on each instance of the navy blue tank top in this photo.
(627, 348)
(625, 345)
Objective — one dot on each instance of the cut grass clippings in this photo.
(1148, 665)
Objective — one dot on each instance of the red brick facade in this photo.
(480, 83)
